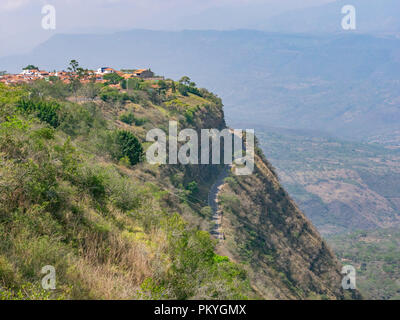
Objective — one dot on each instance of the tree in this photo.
(192, 187)
(184, 80)
(162, 84)
(183, 90)
(75, 69)
(73, 66)
(41, 88)
(45, 110)
(113, 78)
(128, 146)
(127, 118)
(75, 76)
(30, 67)
(90, 90)
(2, 73)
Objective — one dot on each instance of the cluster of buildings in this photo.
(29, 75)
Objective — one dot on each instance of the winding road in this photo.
(213, 203)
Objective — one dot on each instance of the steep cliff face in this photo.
(264, 230)
(263, 227)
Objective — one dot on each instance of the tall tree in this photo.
(76, 73)
(185, 80)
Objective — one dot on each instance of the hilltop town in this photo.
(101, 75)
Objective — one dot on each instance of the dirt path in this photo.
(213, 203)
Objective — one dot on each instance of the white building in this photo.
(105, 70)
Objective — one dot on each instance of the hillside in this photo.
(340, 185)
(71, 198)
(77, 194)
(285, 254)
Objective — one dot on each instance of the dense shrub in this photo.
(44, 110)
(108, 94)
(128, 146)
(185, 90)
(131, 84)
(192, 187)
(55, 89)
(190, 113)
(94, 184)
(129, 118)
(82, 120)
(113, 78)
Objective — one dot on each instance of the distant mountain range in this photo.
(373, 16)
(345, 84)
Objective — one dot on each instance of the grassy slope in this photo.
(111, 230)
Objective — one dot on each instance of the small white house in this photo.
(105, 70)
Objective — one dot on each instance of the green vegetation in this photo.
(76, 194)
(113, 78)
(44, 110)
(132, 84)
(185, 87)
(193, 188)
(31, 67)
(129, 118)
(376, 257)
(76, 74)
(128, 146)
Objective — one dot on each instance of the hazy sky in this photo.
(20, 20)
